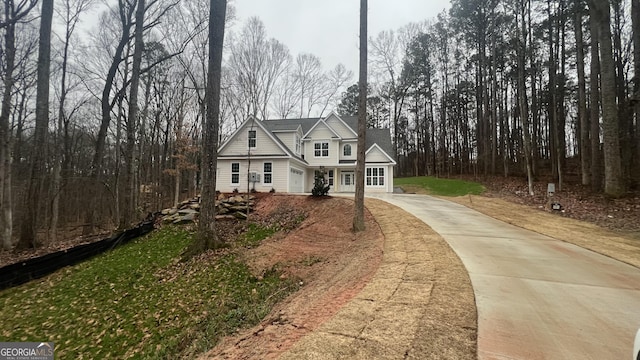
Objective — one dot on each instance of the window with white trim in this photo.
(321, 149)
(252, 136)
(267, 173)
(235, 173)
(375, 176)
(330, 177)
(347, 150)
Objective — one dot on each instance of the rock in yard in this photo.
(187, 211)
(185, 219)
(241, 216)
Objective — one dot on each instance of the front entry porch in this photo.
(347, 181)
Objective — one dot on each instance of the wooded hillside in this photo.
(106, 126)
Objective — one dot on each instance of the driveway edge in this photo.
(419, 305)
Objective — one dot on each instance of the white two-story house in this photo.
(284, 155)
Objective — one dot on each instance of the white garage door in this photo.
(296, 180)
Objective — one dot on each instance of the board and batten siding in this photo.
(280, 175)
(239, 144)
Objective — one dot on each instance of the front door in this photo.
(347, 181)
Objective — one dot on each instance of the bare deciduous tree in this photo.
(207, 237)
(12, 14)
(256, 64)
(28, 235)
(613, 182)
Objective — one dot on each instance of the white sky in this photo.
(329, 29)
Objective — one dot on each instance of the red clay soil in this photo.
(333, 264)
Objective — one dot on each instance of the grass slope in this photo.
(140, 301)
(438, 186)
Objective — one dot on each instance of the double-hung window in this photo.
(375, 176)
(252, 139)
(267, 173)
(321, 149)
(235, 173)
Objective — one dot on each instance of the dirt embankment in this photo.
(394, 291)
(333, 263)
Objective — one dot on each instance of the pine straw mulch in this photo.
(578, 202)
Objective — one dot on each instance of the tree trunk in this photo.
(28, 236)
(522, 100)
(613, 182)
(554, 126)
(494, 104)
(358, 218)
(594, 106)
(535, 112)
(6, 215)
(129, 208)
(71, 20)
(560, 111)
(207, 237)
(105, 107)
(583, 120)
(635, 98)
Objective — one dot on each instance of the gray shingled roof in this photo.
(382, 137)
(290, 124)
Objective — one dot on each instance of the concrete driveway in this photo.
(537, 297)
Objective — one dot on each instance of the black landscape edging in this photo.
(25, 271)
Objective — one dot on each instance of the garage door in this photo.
(296, 180)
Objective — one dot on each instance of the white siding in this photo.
(375, 155)
(280, 173)
(331, 160)
(321, 132)
(223, 176)
(287, 138)
(339, 127)
(238, 145)
(354, 150)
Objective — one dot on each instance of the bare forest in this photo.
(102, 124)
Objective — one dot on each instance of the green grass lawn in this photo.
(437, 186)
(141, 301)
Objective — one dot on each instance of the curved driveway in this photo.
(537, 297)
